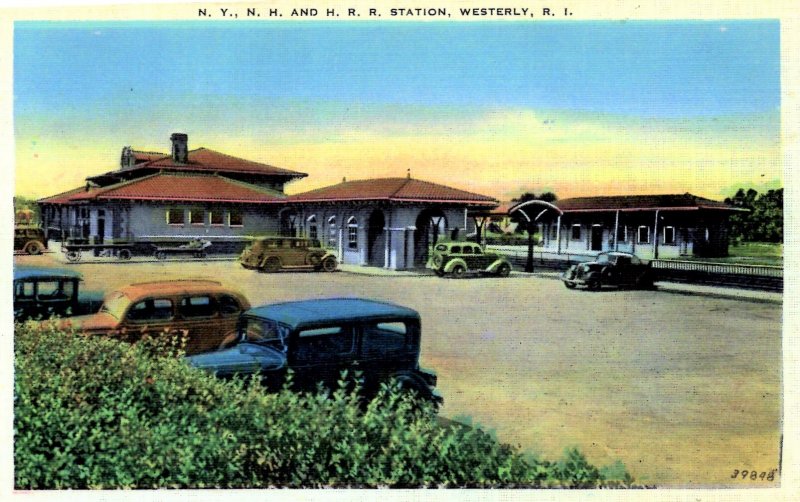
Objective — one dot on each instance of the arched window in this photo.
(312, 227)
(352, 233)
(333, 234)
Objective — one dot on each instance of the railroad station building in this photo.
(203, 194)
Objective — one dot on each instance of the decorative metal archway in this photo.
(525, 209)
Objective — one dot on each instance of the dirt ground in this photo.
(684, 390)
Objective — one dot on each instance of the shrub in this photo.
(92, 412)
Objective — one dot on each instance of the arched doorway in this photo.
(376, 239)
(288, 219)
(431, 225)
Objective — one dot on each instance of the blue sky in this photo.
(449, 99)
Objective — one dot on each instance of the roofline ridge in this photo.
(251, 161)
(65, 192)
(257, 188)
(109, 188)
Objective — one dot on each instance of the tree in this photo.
(763, 221)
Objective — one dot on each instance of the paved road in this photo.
(682, 388)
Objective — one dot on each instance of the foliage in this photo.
(26, 211)
(92, 412)
(522, 227)
(764, 220)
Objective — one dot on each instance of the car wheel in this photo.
(439, 272)
(569, 285)
(124, 254)
(273, 264)
(458, 271)
(417, 389)
(593, 285)
(504, 270)
(329, 264)
(34, 247)
(161, 255)
(73, 256)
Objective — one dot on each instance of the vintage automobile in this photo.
(43, 292)
(30, 240)
(317, 339)
(205, 311)
(271, 254)
(610, 269)
(458, 258)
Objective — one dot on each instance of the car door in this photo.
(321, 353)
(152, 316)
(386, 347)
(206, 319)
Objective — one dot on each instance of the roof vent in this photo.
(180, 147)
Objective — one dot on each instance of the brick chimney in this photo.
(180, 147)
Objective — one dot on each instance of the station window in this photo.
(215, 218)
(644, 235)
(196, 217)
(235, 218)
(312, 227)
(576, 232)
(332, 232)
(669, 235)
(352, 233)
(175, 216)
(622, 233)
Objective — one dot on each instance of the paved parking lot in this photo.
(683, 389)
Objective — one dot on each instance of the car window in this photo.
(273, 243)
(384, 338)
(158, 309)
(228, 305)
(24, 289)
(477, 250)
(197, 306)
(455, 249)
(441, 247)
(467, 250)
(54, 290)
(323, 344)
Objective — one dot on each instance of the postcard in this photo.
(370, 245)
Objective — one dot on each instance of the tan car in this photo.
(205, 310)
(271, 254)
(29, 240)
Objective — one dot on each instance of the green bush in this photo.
(91, 412)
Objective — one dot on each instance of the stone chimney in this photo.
(127, 159)
(180, 147)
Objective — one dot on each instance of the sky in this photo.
(578, 108)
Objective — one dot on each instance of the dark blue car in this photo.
(317, 339)
(43, 292)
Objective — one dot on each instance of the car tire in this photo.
(272, 264)
(411, 385)
(569, 285)
(34, 248)
(161, 255)
(73, 256)
(504, 270)
(458, 271)
(593, 285)
(124, 254)
(329, 264)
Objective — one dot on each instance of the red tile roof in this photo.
(393, 189)
(64, 197)
(176, 187)
(206, 160)
(146, 156)
(685, 201)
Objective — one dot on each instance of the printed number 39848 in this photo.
(754, 475)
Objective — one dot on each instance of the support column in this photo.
(558, 234)
(616, 231)
(655, 237)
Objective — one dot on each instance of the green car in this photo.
(458, 258)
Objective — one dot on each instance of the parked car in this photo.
(458, 258)
(610, 269)
(317, 339)
(204, 310)
(271, 254)
(43, 292)
(30, 240)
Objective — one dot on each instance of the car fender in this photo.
(411, 380)
(452, 263)
(493, 267)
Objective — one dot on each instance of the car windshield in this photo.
(115, 304)
(264, 332)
